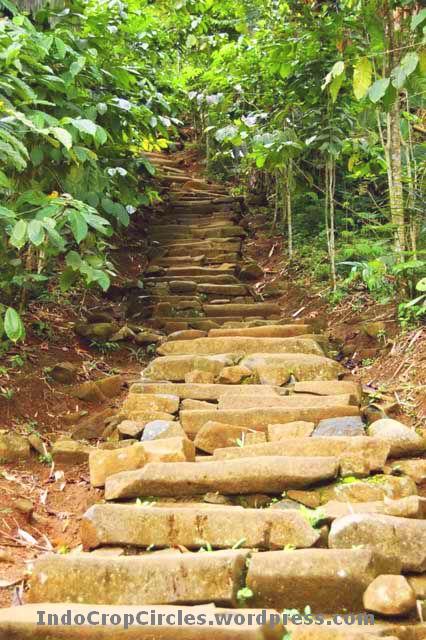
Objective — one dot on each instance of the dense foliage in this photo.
(317, 107)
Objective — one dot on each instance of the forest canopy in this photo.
(315, 110)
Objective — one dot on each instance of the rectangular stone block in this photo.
(201, 391)
(214, 435)
(325, 388)
(267, 331)
(260, 309)
(187, 578)
(232, 400)
(150, 402)
(264, 475)
(245, 345)
(192, 527)
(330, 580)
(192, 421)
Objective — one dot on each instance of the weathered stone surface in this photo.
(192, 421)
(233, 375)
(158, 429)
(418, 584)
(111, 386)
(402, 439)
(355, 455)
(188, 578)
(169, 450)
(326, 388)
(403, 538)
(409, 507)
(214, 435)
(250, 271)
(414, 468)
(183, 286)
(93, 426)
(147, 337)
(390, 596)
(345, 426)
(105, 463)
(276, 369)
(192, 527)
(176, 368)
(232, 400)
(240, 344)
(20, 623)
(96, 331)
(223, 289)
(138, 420)
(13, 447)
(150, 402)
(195, 405)
(199, 377)
(260, 309)
(329, 579)
(298, 429)
(70, 452)
(266, 331)
(367, 490)
(201, 391)
(64, 372)
(267, 475)
(188, 334)
(89, 391)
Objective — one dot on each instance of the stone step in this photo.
(266, 331)
(357, 455)
(221, 528)
(326, 388)
(270, 475)
(237, 344)
(201, 271)
(214, 435)
(276, 369)
(223, 289)
(192, 421)
(233, 401)
(328, 579)
(159, 622)
(242, 311)
(178, 578)
(175, 368)
(408, 507)
(216, 279)
(200, 391)
(391, 536)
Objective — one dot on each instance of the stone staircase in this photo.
(244, 477)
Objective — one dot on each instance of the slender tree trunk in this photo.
(289, 210)
(330, 185)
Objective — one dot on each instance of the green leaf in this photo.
(378, 89)
(418, 19)
(37, 156)
(7, 214)
(73, 260)
(336, 85)
(78, 225)
(77, 66)
(19, 234)
(84, 125)
(338, 68)
(13, 325)
(36, 232)
(63, 136)
(5, 182)
(60, 48)
(398, 77)
(363, 71)
(421, 285)
(101, 135)
(409, 62)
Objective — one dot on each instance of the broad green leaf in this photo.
(398, 77)
(418, 19)
(73, 260)
(285, 70)
(336, 85)
(36, 232)
(37, 156)
(5, 182)
(13, 325)
(378, 89)
(7, 214)
(421, 285)
(77, 66)
(98, 223)
(60, 48)
(84, 125)
(409, 62)
(422, 62)
(78, 225)
(338, 68)
(363, 71)
(101, 135)
(63, 136)
(19, 234)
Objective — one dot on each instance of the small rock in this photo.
(64, 372)
(124, 333)
(234, 375)
(285, 504)
(415, 468)
(70, 452)
(298, 429)
(250, 271)
(374, 329)
(346, 426)
(24, 506)
(13, 447)
(390, 596)
(111, 386)
(216, 498)
(403, 440)
(147, 337)
(89, 391)
(162, 429)
(93, 426)
(96, 331)
(37, 444)
(131, 428)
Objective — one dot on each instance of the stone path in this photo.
(244, 476)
